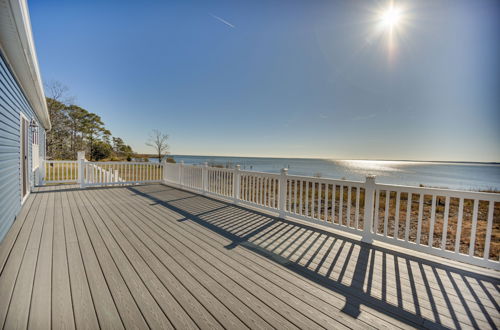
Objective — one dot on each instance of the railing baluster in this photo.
(319, 201)
(313, 188)
(226, 183)
(341, 205)
(489, 225)
(264, 190)
(255, 191)
(348, 215)
(376, 212)
(357, 207)
(325, 211)
(433, 220)
(459, 225)
(445, 223)
(473, 233)
(274, 183)
(386, 211)
(295, 196)
(301, 202)
(261, 187)
(307, 198)
(289, 193)
(268, 192)
(396, 215)
(245, 191)
(420, 215)
(334, 200)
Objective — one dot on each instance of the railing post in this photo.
(204, 178)
(181, 174)
(236, 184)
(41, 172)
(164, 170)
(81, 177)
(282, 192)
(368, 217)
(81, 164)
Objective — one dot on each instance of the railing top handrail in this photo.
(441, 192)
(213, 168)
(258, 173)
(326, 180)
(61, 161)
(123, 163)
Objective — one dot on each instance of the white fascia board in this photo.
(16, 42)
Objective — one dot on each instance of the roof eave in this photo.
(16, 41)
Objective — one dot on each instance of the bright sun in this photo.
(390, 17)
(391, 21)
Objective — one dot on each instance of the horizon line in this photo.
(343, 159)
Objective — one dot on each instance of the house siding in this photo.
(12, 103)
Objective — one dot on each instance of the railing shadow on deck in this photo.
(244, 227)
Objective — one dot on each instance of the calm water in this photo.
(469, 176)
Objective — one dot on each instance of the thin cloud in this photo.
(223, 21)
(364, 117)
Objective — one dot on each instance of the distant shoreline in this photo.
(334, 159)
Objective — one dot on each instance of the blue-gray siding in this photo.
(12, 103)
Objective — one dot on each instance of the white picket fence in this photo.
(459, 225)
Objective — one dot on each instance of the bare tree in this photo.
(158, 141)
(55, 90)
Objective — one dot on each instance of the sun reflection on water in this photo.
(378, 167)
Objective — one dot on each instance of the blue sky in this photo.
(283, 78)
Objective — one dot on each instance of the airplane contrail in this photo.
(222, 20)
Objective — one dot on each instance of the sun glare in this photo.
(390, 17)
(391, 21)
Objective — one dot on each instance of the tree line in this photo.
(77, 129)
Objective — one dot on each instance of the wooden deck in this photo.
(158, 257)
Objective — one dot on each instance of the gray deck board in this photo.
(153, 256)
(129, 310)
(41, 312)
(83, 305)
(62, 304)
(15, 256)
(21, 295)
(104, 304)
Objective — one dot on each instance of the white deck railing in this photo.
(87, 174)
(119, 173)
(59, 171)
(459, 225)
